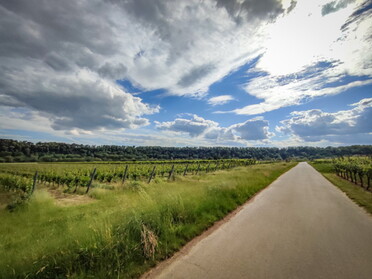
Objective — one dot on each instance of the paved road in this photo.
(300, 227)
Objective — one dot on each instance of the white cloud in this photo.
(194, 126)
(182, 46)
(256, 129)
(311, 52)
(341, 126)
(280, 92)
(73, 100)
(63, 58)
(253, 129)
(220, 100)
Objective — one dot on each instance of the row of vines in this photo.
(76, 175)
(355, 169)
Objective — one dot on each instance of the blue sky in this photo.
(187, 73)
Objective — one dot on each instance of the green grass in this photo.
(125, 231)
(354, 192)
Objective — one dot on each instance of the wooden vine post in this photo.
(91, 180)
(171, 172)
(124, 174)
(152, 174)
(184, 173)
(34, 183)
(197, 170)
(208, 167)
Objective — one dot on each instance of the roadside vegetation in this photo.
(355, 186)
(121, 230)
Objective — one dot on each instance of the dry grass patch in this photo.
(66, 199)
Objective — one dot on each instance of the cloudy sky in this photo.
(187, 72)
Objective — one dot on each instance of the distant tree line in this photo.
(23, 151)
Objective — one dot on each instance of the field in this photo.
(119, 228)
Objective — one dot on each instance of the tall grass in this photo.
(124, 231)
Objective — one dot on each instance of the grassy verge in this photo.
(125, 231)
(354, 192)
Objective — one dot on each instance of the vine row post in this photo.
(91, 180)
(184, 173)
(208, 167)
(152, 174)
(124, 175)
(171, 172)
(197, 170)
(34, 183)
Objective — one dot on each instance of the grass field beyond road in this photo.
(121, 232)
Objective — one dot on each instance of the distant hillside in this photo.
(22, 151)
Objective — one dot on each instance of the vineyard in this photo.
(23, 178)
(355, 169)
(134, 215)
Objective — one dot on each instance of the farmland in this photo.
(134, 214)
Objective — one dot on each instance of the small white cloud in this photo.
(220, 100)
(253, 129)
(256, 129)
(194, 126)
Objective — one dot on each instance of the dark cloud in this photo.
(113, 71)
(334, 6)
(195, 75)
(57, 62)
(292, 6)
(252, 9)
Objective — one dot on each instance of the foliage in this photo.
(79, 174)
(355, 169)
(22, 151)
(20, 186)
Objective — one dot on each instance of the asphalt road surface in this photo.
(301, 226)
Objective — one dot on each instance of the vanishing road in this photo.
(301, 226)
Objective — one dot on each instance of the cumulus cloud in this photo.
(220, 100)
(311, 52)
(58, 60)
(194, 126)
(253, 129)
(63, 58)
(256, 129)
(313, 125)
(80, 100)
(181, 46)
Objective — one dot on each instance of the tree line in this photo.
(24, 151)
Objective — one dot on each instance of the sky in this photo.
(187, 72)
